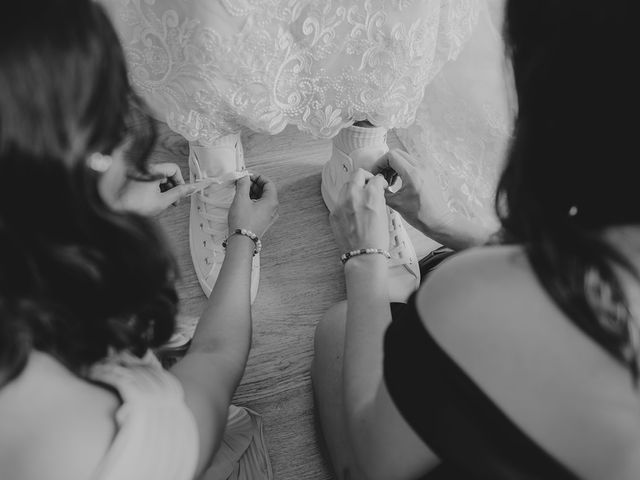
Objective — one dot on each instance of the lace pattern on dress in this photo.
(209, 66)
(463, 125)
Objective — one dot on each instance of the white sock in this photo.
(353, 138)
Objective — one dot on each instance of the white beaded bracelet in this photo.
(363, 251)
(246, 233)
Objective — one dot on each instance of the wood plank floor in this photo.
(300, 278)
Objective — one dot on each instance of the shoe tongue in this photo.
(218, 160)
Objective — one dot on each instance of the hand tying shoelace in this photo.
(360, 147)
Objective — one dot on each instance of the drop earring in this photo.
(99, 163)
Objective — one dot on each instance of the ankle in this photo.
(357, 137)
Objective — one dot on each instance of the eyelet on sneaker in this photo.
(224, 161)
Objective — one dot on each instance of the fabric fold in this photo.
(157, 436)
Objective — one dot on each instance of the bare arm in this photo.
(215, 362)
(422, 203)
(459, 233)
(384, 444)
(368, 316)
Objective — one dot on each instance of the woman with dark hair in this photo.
(517, 360)
(86, 280)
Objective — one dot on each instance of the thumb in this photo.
(378, 182)
(243, 186)
(389, 197)
(180, 191)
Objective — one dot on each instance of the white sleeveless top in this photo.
(157, 435)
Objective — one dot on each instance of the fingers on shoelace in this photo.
(176, 193)
(359, 178)
(402, 163)
(262, 188)
(170, 171)
(378, 182)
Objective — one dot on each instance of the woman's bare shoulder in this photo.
(54, 424)
(487, 310)
(480, 291)
(475, 275)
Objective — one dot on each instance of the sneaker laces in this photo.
(213, 210)
(396, 241)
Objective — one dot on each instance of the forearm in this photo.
(222, 340)
(459, 233)
(214, 364)
(374, 425)
(368, 315)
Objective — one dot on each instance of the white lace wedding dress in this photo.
(209, 67)
(463, 124)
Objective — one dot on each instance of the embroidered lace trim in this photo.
(464, 123)
(209, 66)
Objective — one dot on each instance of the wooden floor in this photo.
(300, 278)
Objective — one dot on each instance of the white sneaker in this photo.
(221, 164)
(404, 271)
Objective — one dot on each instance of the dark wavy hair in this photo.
(570, 170)
(77, 279)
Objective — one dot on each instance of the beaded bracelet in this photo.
(363, 251)
(246, 233)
